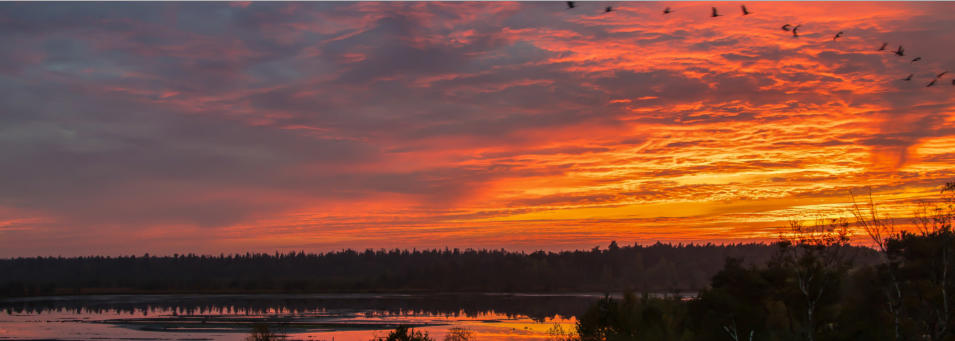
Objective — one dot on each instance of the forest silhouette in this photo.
(654, 268)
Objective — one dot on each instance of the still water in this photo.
(339, 317)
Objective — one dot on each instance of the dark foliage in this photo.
(813, 289)
(633, 318)
(404, 333)
(262, 332)
(655, 268)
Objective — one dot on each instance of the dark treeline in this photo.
(654, 268)
(811, 289)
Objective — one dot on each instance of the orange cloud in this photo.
(517, 125)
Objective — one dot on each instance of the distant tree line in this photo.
(811, 289)
(654, 268)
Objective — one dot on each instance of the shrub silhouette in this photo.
(261, 332)
(404, 333)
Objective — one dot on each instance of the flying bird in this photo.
(570, 5)
(916, 59)
(667, 10)
(745, 12)
(883, 46)
(786, 27)
(900, 52)
(796, 35)
(714, 14)
(931, 83)
(838, 35)
(908, 78)
(608, 9)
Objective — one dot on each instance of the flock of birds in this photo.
(795, 32)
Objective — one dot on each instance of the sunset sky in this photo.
(233, 127)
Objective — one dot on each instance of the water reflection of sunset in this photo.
(232, 324)
(167, 127)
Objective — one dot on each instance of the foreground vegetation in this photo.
(811, 289)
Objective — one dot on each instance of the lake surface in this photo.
(340, 317)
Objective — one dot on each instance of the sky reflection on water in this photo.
(304, 317)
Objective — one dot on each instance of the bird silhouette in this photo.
(795, 31)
